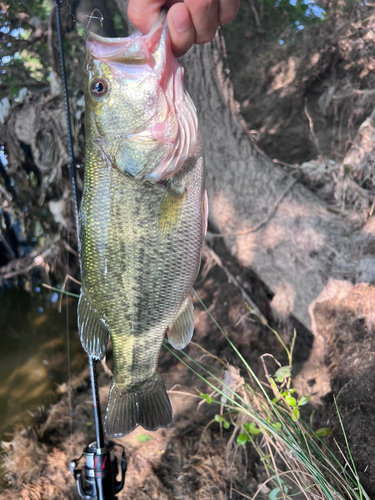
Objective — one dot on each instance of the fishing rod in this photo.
(101, 468)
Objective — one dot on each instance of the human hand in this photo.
(190, 21)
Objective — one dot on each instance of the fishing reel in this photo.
(98, 481)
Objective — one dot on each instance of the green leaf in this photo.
(289, 391)
(206, 397)
(312, 418)
(253, 429)
(290, 400)
(303, 400)
(273, 494)
(221, 419)
(243, 438)
(143, 438)
(323, 432)
(282, 373)
(277, 425)
(296, 414)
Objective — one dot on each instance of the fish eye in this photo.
(99, 87)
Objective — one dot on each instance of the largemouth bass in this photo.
(142, 219)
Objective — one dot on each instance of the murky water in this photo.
(34, 351)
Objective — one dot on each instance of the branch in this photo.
(17, 267)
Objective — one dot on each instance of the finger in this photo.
(181, 29)
(205, 16)
(228, 10)
(144, 13)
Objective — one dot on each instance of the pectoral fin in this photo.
(180, 333)
(170, 210)
(92, 331)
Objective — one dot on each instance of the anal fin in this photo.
(180, 333)
(92, 331)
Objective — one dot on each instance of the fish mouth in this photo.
(177, 131)
(90, 35)
(136, 48)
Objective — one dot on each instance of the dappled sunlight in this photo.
(283, 301)
(284, 74)
(272, 235)
(292, 209)
(369, 226)
(309, 239)
(245, 247)
(222, 210)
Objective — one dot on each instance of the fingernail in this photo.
(180, 19)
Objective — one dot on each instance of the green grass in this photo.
(267, 416)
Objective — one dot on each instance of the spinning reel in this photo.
(99, 478)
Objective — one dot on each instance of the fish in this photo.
(142, 219)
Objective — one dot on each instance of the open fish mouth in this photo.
(170, 121)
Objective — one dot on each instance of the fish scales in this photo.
(142, 220)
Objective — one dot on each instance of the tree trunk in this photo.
(290, 238)
(319, 264)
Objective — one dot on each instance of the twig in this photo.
(251, 303)
(290, 165)
(107, 371)
(50, 38)
(311, 125)
(28, 8)
(263, 221)
(71, 250)
(183, 393)
(36, 258)
(7, 195)
(244, 316)
(371, 209)
(67, 277)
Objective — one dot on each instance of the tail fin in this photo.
(149, 407)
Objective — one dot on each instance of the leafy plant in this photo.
(267, 416)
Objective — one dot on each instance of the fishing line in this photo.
(101, 19)
(71, 12)
(72, 168)
(72, 165)
(68, 352)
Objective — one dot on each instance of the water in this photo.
(33, 352)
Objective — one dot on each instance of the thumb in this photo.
(144, 13)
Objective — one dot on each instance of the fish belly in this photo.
(135, 285)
